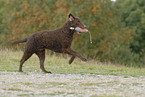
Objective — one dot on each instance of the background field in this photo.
(81, 79)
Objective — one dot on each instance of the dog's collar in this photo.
(72, 28)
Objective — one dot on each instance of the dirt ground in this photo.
(38, 84)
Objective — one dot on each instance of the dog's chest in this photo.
(67, 42)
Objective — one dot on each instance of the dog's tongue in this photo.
(78, 32)
(85, 30)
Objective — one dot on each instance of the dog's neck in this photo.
(66, 28)
(67, 24)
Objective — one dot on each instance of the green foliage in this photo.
(111, 40)
(133, 15)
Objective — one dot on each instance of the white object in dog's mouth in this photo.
(78, 29)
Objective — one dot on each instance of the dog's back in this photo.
(50, 39)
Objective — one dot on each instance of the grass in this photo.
(14, 89)
(9, 61)
(79, 79)
(91, 79)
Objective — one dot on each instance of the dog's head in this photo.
(76, 22)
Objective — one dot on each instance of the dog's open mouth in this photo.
(78, 32)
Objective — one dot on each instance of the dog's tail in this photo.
(19, 41)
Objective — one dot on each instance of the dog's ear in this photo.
(71, 17)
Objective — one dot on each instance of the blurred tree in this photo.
(2, 11)
(133, 15)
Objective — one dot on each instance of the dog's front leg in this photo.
(71, 52)
(71, 59)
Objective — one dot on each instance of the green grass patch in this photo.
(104, 96)
(14, 89)
(26, 95)
(57, 64)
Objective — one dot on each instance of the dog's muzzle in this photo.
(78, 29)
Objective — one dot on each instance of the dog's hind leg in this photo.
(41, 55)
(71, 59)
(25, 57)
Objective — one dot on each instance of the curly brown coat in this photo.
(58, 40)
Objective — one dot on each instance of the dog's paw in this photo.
(47, 72)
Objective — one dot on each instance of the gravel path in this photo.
(38, 84)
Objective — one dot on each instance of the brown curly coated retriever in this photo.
(58, 40)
